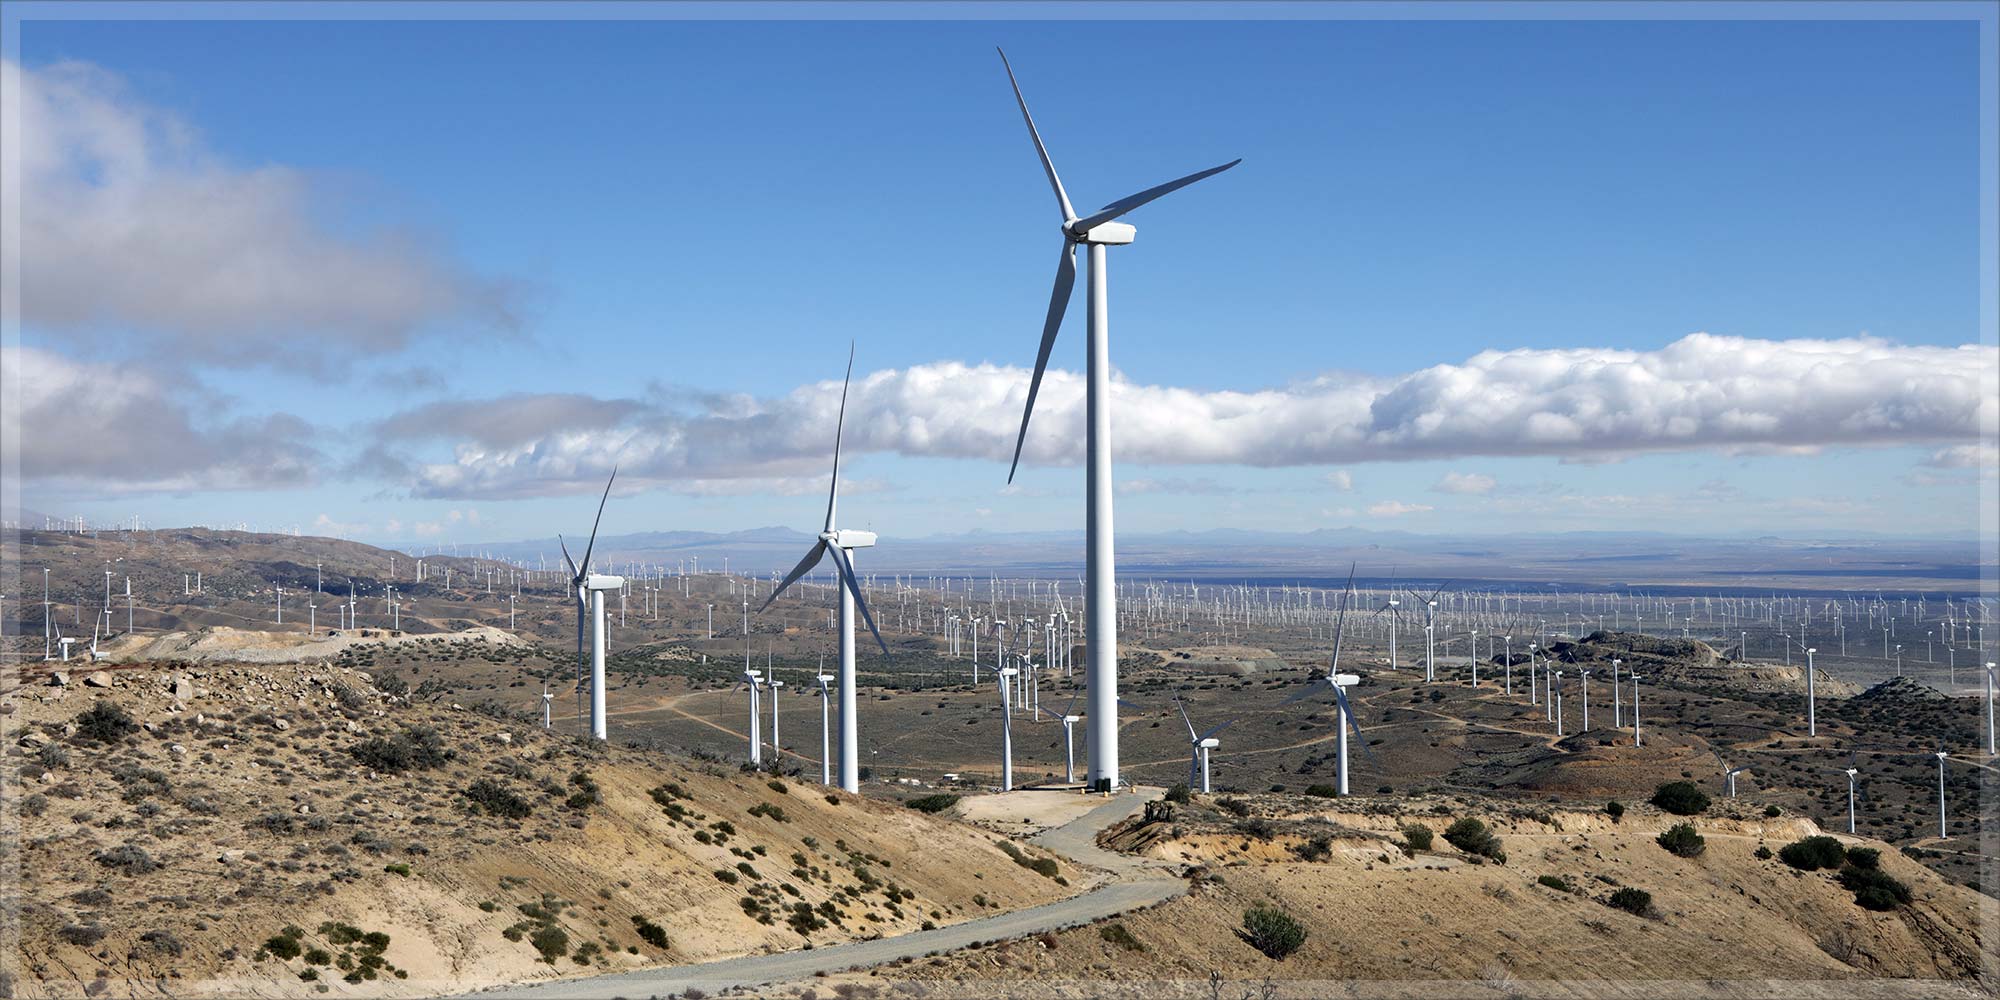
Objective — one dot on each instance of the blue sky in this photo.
(675, 213)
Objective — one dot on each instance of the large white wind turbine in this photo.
(840, 544)
(1096, 231)
(589, 589)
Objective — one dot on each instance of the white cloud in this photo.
(1397, 508)
(114, 429)
(1464, 484)
(1702, 392)
(1341, 480)
(128, 223)
(1197, 486)
(1964, 456)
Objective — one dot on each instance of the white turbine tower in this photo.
(589, 589)
(840, 544)
(548, 700)
(825, 731)
(1198, 748)
(1096, 231)
(1005, 677)
(750, 680)
(777, 747)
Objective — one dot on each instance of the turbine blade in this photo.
(1217, 729)
(594, 524)
(1347, 715)
(1058, 304)
(839, 424)
(854, 587)
(1132, 201)
(1184, 718)
(805, 566)
(1340, 631)
(574, 576)
(1048, 166)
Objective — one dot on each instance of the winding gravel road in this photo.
(1135, 883)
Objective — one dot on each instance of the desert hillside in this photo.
(1377, 907)
(295, 831)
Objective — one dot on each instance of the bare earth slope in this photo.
(161, 857)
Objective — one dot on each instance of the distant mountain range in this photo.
(1322, 557)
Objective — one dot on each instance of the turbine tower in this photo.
(840, 544)
(1198, 746)
(1095, 231)
(589, 589)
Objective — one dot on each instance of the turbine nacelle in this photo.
(599, 581)
(1209, 744)
(848, 538)
(1111, 234)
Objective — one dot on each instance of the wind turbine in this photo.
(589, 589)
(1339, 682)
(840, 544)
(548, 700)
(1095, 231)
(1198, 748)
(1069, 722)
(1729, 774)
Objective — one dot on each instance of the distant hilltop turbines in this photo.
(1096, 231)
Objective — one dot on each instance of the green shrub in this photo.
(1873, 888)
(285, 948)
(1117, 934)
(585, 795)
(726, 877)
(398, 868)
(1322, 791)
(770, 811)
(1682, 798)
(777, 786)
(418, 748)
(1556, 882)
(1813, 853)
(1233, 806)
(1763, 853)
(1773, 812)
(1867, 858)
(1272, 931)
(1471, 836)
(498, 799)
(551, 941)
(1614, 809)
(1417, 837)
(1637, 902)
(650, 932)
(933, 803)
(104, 722)
(1681, 840)
(1179, 794)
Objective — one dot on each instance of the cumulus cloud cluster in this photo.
(1700, 392)
(123, 430)
(130, 225)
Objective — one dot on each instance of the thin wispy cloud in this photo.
(1464, 484)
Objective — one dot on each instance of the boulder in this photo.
(58, 678)
(97, 679)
